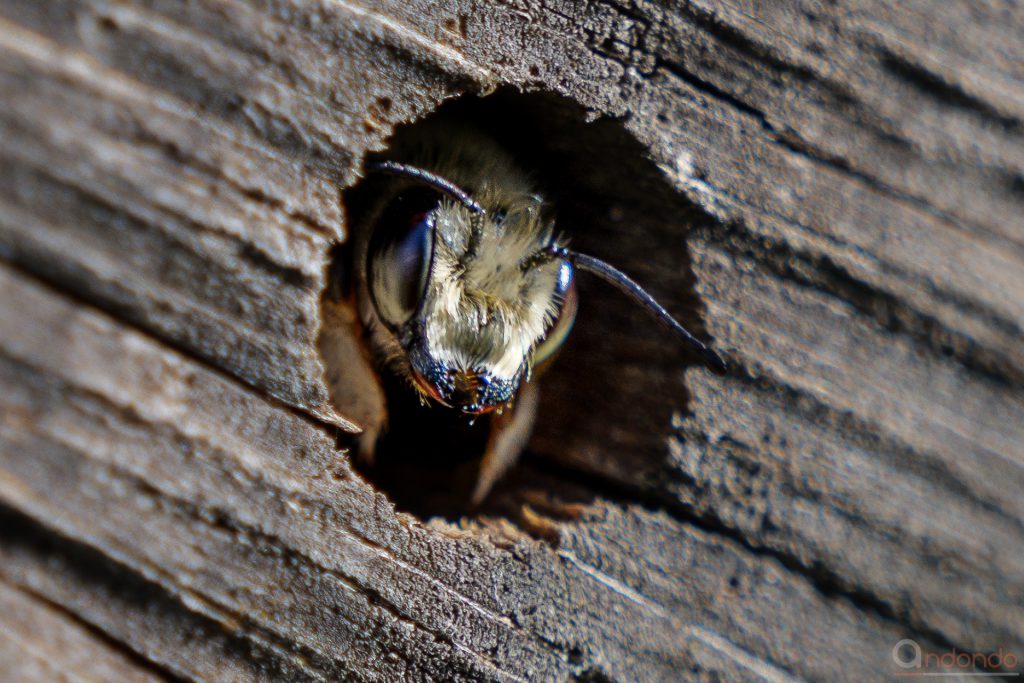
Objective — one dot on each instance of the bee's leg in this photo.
(509, 433)
(354, 386)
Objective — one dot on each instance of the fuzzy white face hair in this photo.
(487, 313)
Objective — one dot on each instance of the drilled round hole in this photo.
(606, 403)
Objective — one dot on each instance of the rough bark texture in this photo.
(834, 191)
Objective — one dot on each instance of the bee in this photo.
(465, 291)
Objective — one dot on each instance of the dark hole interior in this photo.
(607, 401)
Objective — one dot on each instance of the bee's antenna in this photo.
(426, 177)
(634, 291)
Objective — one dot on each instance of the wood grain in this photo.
(833, 192)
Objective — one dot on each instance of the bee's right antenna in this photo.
(427, 178)
(638, 294)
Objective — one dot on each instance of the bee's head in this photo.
(474, 288)
(475, 293)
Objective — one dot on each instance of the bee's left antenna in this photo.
(638, 294)
(427, 178)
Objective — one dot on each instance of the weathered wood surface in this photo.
(171, 180)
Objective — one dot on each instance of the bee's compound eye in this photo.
(400, 252)
(565, 291)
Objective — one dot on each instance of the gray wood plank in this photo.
(832, 192)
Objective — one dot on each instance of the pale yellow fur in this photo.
(484, 313)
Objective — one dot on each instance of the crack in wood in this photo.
(133, 656)
(825, 580)
(819, 272)
(36, 553)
